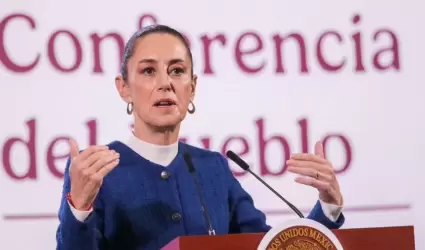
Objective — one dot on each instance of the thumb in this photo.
(318, 149)
(74, 148)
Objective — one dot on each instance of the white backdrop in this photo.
(357, 79)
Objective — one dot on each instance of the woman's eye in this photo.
(148, 71)
(177, 71)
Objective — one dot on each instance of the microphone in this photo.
(241, 163)
(191, 168)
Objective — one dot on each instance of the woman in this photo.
(139, 194)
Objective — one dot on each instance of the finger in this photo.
(74, 148)
(309, 157)
(310, 173)
(106, 169)
(309, 164)
(318, 184)
(102, 162)
(318, 149)
(86, 153)
(95, 157)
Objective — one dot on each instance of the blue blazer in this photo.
(142, 205)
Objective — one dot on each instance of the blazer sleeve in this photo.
(244, 216)
(72, 234)
(318, 215)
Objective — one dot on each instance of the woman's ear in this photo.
(123, 89)
(193, 87)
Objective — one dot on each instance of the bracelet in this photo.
(68, 197)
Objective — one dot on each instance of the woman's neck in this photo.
(156, 136)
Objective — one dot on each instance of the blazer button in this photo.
(165, 175)
(176, 217)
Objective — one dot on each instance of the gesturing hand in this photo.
(317, 172)
(87, 171)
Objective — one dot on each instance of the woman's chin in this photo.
(167, 121)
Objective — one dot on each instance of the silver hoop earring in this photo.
(129, 108)
(191, 110)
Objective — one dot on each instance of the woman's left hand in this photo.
(317, 172)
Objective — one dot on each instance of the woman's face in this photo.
(159, 80)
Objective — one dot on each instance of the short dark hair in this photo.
(156, 28)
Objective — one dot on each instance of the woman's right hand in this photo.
(87, 171)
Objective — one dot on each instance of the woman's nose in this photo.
(164, 82)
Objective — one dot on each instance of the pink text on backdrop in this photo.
(262, 139)
(377, 51)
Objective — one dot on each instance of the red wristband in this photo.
(68, 197)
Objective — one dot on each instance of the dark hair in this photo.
(131, 44)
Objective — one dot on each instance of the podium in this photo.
(351, 239)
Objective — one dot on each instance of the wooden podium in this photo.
(400, 238)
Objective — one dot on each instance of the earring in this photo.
(191, 110)
(129, 108)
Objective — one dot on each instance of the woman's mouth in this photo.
(165, 103)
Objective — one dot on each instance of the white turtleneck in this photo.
(159, 154)
(164, 155)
